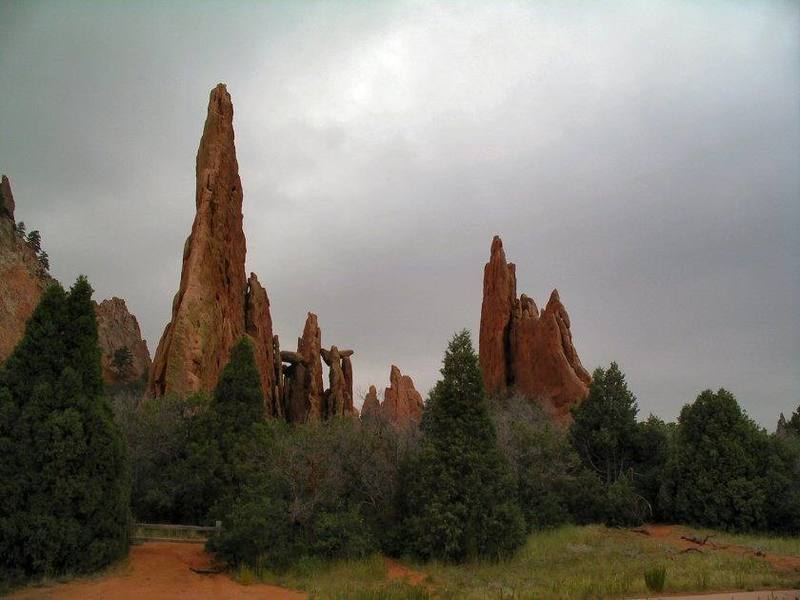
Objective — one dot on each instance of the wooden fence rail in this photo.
(164, 532)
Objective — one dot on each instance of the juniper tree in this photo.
(460, 499)
(64, 477)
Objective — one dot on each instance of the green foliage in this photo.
(64, 475)
(158, 432)
(553, 486)
(717, 475)
(604, 428)
(460, 499)
(122, 361)
(322, 490)
(655, 578)
(34, 240)
(654, 439)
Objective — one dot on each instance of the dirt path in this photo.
(160, 570)
(672, 534)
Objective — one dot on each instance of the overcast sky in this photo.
(642, 157)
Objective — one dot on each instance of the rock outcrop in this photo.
(258, 325)
(216, 304)
(6, 199)
(22, 276)
(372, 406)
(303, 391)
(339, 395)
(402, 403)
(524, 350)
(118, 329)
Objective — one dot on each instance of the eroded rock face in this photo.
(525, 350)
(258, 325)
(499, 295)
(208, 312)
(402, 404)
(117, 328)
(22, 278)
(303, 391)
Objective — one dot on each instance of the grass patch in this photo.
(768, 543)
(598, 562)
(570, 562)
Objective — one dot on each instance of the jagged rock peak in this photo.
(371, 407)
(6, 199)
(258, 325)
(117, 328)
(402, 403)
(499, 299)
(208, 312)
(524, 349)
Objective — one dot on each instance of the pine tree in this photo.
(460, 498)
(64, 475)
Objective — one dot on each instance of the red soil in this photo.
(160, 570)
(673, 534)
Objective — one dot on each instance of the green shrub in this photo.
(717, 475)
(655, 578)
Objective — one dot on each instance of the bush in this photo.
(459, 497)
(64, 475)
(717, 475)
(553, 487)
(325, 490)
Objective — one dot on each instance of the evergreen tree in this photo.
(64, 476)
(717, 474)
(604, 428)
(215, 462)
(460, 499)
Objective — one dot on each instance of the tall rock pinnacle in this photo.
(524, 350)
(209, 310)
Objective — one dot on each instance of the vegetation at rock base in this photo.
(64, 476)
(459, 500)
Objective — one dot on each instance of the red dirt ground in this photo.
(672, 535)
(160, 570)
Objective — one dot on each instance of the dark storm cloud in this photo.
(641, 157)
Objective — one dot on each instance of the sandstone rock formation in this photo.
(339, 396)
(116, 329)
(371, 407)
(258, 325)
(6, 199)
(524, 350)
(22, 277)
(216, 304)
(303, 391)
(402, 403)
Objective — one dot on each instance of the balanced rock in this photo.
(215, 304)
(339, 396)
(22, 276)
(524, 350)
(117, 330)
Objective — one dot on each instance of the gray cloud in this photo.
(641, 157)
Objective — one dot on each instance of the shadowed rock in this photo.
(116, 329)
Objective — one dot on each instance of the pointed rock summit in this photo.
(6, 199)
(402, 403)
(216, 304)
(524, 350)
(117, 329)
